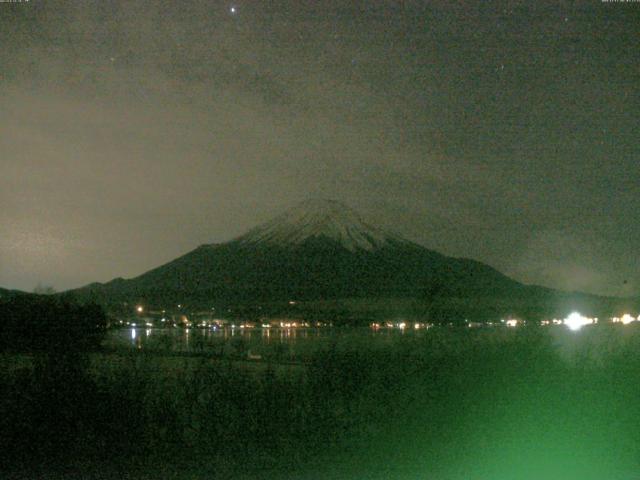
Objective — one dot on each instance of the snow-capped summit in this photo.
(317, 218)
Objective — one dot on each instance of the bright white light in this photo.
(233, 9)
(575, 321)
(139, 309)
(402, 325)
(626, 319)
(512, 322)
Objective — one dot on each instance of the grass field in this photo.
(452, 404)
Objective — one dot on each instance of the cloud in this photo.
(141, 130)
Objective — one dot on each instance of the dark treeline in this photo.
(545, 305)
(42, 323)
(44, 402)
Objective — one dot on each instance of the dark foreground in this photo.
(452, 404)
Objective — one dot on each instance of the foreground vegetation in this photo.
(458, 404)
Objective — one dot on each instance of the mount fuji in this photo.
(321, 253)
(326, 219)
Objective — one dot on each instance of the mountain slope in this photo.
(7, 294)
(321, 250)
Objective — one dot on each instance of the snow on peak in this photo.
(319, 218)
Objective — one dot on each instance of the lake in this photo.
(276, 343)
(300, 344)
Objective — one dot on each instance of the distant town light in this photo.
(627, 319)
(575, 321)
(512, 322)
(139, 309)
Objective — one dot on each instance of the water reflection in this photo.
(235, 340)
(136, 338)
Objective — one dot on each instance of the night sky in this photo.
(508, 132)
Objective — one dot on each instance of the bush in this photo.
(37, 323)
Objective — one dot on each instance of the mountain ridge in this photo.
(321, 250)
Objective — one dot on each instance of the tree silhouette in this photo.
(41, 289)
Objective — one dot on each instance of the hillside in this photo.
(6, 294)
(322, 251)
